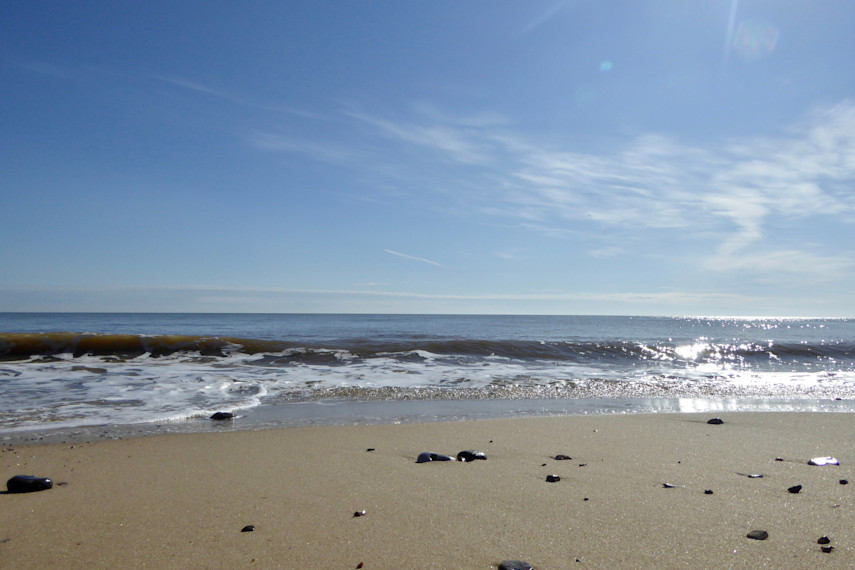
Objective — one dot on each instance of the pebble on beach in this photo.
(562, 457)
(823, 540)
(471, 455)
(758, 534)
(552, 478)
(515, 565)
(794, 489)
(361, 513)
(820, 461)
(28, 484)
(248, 528)
(426, 456)
(715, 421)
(222, 416)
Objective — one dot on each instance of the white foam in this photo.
(90, 390)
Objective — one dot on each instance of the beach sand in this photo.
(180, 501)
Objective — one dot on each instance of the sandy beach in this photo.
(181, 501)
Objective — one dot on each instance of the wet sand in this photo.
(180, 501)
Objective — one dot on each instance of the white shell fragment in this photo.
(823, 461)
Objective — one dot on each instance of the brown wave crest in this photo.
(14, 346)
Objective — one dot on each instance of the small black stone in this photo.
(248, 528)
(515, 565)
(562, 457)
(28, 484)
(552, 478)
(471, 455)
(370, 449)
(823, 540)
(795, 489)
(708, 492)
(222, 416)
(844, 482)
(361, 513)
(758, 534)
(427, 456)
(715, 421)
(826, 549)
(668, 486)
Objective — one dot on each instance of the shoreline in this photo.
(181, 500)
(349, 412)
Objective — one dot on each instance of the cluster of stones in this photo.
(463, 456)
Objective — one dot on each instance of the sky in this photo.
(630, 157)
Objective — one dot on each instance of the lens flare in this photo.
(755, 40)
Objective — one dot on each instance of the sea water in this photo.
(64, 371)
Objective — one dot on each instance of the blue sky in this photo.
(493, 156)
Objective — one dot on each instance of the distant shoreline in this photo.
(343, 413)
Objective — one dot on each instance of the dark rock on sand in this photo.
(28, 484)
(248, 528)
(844, 482)
(515, 565)
(826, 549)
(471, 455)
(668, 486)
(795, 489)
(222, 416)
(708, 492)
(823, 540)
(758, 534)
(715, 421)
(553, 478)
(361, 513)
(426, 456)
(562, 457)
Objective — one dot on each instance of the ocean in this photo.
(67, 376)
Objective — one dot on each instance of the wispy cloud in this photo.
(322, 152)
(461, 144)
(241, 100)
(43, 68)
(547, 15)
(729, 195)
(413, 257)
(743, 203)
(194, 86)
